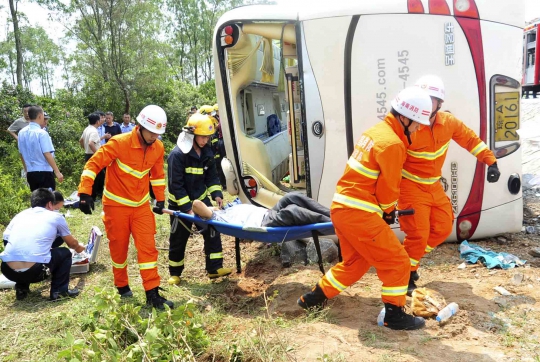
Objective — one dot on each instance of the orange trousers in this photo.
(120, 223)
(432, 221)
(366, 240)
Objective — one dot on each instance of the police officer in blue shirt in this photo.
(37, 152)
(28, 257)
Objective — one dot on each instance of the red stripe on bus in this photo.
(471, 12)
(438, 7)
(415, 7)
(473, 206)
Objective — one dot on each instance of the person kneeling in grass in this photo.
(29, 257)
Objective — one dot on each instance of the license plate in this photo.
(506, 116)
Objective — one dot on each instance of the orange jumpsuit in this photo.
(369, 187)
(126, 201)
(420, 189)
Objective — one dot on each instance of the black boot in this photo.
(125, 292)
(155, 300)
(396, 318)
(314, 299)
(412, 286)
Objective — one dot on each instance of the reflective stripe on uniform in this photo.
(430, 155)
(386, 206)
(184, 200)
(216, 256)
(217, 155)
(124, 201)
(335, 283)
(149, 265)
(414, 262)
(479, 148)
(195, 170)
(176, 263)
(119, 266)
(158, 182)
(357, 204)
(394, 291)
(214, 140)
(214, 188)
(363, 170)
(131, 171)
(89, 173)
(202, 197)
(429, 249)
(420, 180)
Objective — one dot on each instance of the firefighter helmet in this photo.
(413, 103)
(433, 85)
(153, 119)
(200, 125)
(206, 109)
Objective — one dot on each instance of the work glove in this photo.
(158, 209)
(86, 204)
(390, 218)
(493, 173)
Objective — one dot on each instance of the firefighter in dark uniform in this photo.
(193, 176)
(216, 141)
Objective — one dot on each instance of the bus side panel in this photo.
(507, 218)
(326, 58)
(387, 61)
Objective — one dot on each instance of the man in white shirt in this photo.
(90, 140)
(28, 257)
(293, 209)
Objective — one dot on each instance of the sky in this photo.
(39, 16)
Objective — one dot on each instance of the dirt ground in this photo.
(488, 327)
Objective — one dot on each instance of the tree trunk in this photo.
(17, 33)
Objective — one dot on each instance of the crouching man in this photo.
(28, 257)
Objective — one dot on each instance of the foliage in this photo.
(114, 331)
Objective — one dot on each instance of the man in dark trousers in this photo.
(193, 176)
(29, 256)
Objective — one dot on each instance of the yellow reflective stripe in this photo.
(414, 262)
(149, 265)
(184, 200)
(131, 171)
(357, 204)
(158, 182)
(217, 155)
(430, 155)
(119, 266)
(479, 148)
(214, 188)
(89, 173)
(195, 170)
(394, 291)
(420, 180)
(386, 206)
(124, 201)
(363, 170)
(176, 263)
(202, 196)
(216, 255)
(428, 249)
(335, 283)
(214, 140)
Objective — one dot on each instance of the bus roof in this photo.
(509, 12)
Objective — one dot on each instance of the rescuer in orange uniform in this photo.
(421, 189)
(132, 159)
(365, 204)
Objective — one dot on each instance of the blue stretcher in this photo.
(264, 234)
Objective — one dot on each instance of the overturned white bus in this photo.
(297, 87)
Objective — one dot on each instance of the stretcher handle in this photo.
(175, 213)
(398, 212)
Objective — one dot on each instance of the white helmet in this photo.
(153, 118)
(413, 103)
(433, 85)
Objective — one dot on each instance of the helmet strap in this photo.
(407, 132)
(142, 136)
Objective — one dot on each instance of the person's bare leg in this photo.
(200, 208)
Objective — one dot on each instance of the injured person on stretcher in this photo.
(293, 209)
